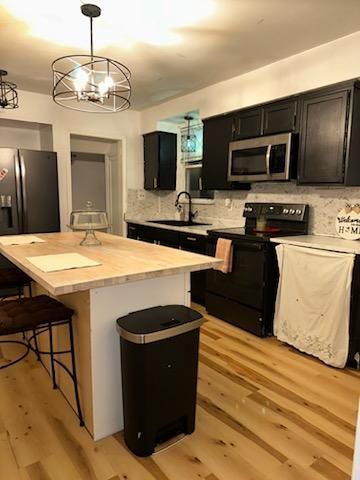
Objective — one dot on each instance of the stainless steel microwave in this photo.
(260, 159)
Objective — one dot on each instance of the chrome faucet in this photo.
(191, 214)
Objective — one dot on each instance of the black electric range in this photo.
(246, 296)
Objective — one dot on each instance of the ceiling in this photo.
(232, 38)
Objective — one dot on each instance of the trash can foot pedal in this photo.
(169, 443)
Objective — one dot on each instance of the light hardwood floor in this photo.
(264, 412)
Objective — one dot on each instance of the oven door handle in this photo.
(242, 245)
(248, 246)
(268, 155)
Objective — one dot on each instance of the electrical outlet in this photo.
(228, 203)
(141, 195)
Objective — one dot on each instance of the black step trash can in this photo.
(159, 361)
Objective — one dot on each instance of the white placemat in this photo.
(20, 240)
(61, 261)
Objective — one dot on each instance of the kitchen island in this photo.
(132, 275)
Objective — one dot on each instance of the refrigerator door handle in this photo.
(19, 197)
(24, 197)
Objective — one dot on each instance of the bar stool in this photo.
(14, 278)
(39, 315)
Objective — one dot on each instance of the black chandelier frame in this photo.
(9, 98)
(116, 98)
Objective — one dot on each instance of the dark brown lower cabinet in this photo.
(175, 239)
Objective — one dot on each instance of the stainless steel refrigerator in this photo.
(29, 196)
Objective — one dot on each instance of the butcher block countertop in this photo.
(122, 260)
(322, 242)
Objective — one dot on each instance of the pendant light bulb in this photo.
(80, 81)
(105, 86)
(109, 82)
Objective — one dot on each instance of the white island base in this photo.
(97, 343)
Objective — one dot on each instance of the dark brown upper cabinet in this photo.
(248, 123)
(160, 157)
(329, 139)
(280, 117)
(267, 119)
(217, 134)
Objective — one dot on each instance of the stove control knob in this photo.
(285, 211)
(298, 212)
(250, 209)
(292, 211)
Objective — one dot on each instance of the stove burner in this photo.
(267, 230)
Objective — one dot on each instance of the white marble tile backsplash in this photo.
(324, 203)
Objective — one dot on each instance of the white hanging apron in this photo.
(313, 302)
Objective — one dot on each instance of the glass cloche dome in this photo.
(89, 220)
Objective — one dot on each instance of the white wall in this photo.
(19, 135)
(125, 125)
(329, 63)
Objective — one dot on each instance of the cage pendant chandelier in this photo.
(91, 83)
(8, 94)
(188, 141)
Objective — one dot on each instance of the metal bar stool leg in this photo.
(19, 298)
(36, 345)
(52, 363)
(76, 390)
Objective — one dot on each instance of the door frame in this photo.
(122, 181)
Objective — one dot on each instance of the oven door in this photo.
(245, 284)
(260, 159)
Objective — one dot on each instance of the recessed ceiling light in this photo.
(123, 23)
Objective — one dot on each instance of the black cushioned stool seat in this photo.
(20, 316)
(40, 315)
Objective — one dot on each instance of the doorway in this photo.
(97, 176)
(88, 180)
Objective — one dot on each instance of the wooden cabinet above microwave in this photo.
(268, 119)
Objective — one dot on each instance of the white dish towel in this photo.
(313, 302)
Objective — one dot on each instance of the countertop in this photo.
(196, 229)
(122, 260)
(322, 242)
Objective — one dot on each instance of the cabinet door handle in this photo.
(233, 129)
(200, 183)
(268, 156)
(155, 182)
(192, 239)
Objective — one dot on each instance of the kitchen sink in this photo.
(179, 223)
